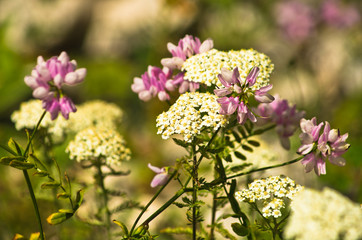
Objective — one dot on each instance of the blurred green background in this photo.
(316, 50)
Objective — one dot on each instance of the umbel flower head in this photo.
(239, 92)
(47, 79)
(285, 116)
(318, 148)
(191, 113)
(272, 192)
(92, 144)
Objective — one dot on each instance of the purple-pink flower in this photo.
(187, 47)
(285, 116)
(335, 14)
(318, 148)
(296, 20)
(161, 176)
(238, 101)
(48, 77)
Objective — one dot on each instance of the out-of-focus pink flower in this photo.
(318, 148)
(240, 93)
(285, 116)
(47, 78)
(187, 47)
(295, 19)
(161, 176)
(337, 15)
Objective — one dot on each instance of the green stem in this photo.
(194, 193)
(105, 197)
(167, 204)
(265, 168)
(27, 179)
(28, 182)
(151, 201)
(208, 145)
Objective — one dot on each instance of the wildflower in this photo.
(187, 47)
(272, 192)
(161, 176)
(284, 115)
(204, 68)
(47, 79)
(333, 13)
(323, 215)
(189, 115)
(154, 82)
(235, 86)
(92, 144)
(318, 148)
(296, 20)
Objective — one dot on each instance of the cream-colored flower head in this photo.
(205, 67)
(99, 143)
(96, 113)
(324, 215)
(192, 112)
(29, 114)
(272, 192)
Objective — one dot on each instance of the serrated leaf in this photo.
(58, 217)
(247, 148)
(254, 143)
(13, 145)
(123, 226)
(240, 155)
(179, 230)
(50, 185)
(6, 160)
(225, 233)
(181, 142)
(240, 229)
(180, 205)
(21, 165)
(63, 195)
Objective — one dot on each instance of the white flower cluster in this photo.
(29, 114)
(99, 143)
(192, 112)
(205, 67)
(272, 191)
(95, 113)
(324, 215)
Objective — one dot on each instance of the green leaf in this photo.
(66, 211)
(181, 142)
(258, 131)
(6, 160)
(242, 131)
(240, 155)
(240, 229)
(13, 145)
(32, 158)
(35, 236)
(21, 165)
(9, 150)
(241, 167)
(40, 173)
(50, 185)
(236, 136)
(79, 199)
(254, 143)
(247, 148)
(228, 158)
(216, 150)
(58, 217)
(123, 226)
(63, 195)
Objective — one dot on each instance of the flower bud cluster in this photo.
(191, 113)
(47, 79)
(272, 191)
(318, 148)
(94, 143)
